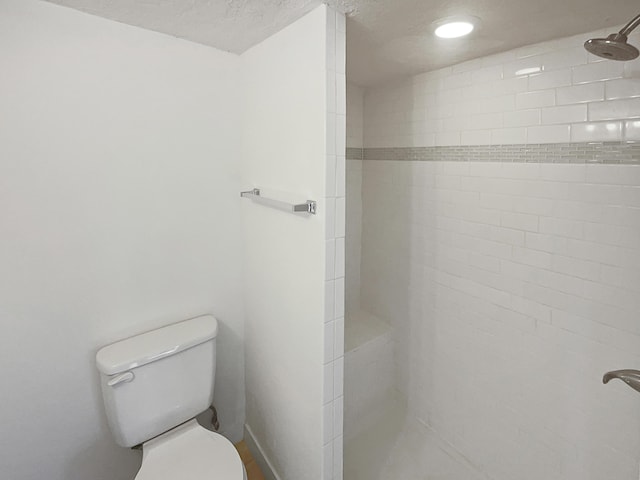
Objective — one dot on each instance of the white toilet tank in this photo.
(157, 380)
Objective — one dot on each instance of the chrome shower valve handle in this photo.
(630, 377)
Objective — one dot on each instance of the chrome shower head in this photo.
(615, 46)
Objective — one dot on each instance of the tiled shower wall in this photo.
(355, 142)
(333, 397)
(553, 92)
(294, 264)
(512, 287)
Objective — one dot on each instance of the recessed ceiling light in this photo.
(454, 27)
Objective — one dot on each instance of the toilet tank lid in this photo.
(151, 346)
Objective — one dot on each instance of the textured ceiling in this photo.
(386, 39)
(231, 25)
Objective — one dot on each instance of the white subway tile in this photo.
(329, 341)
(615, 109)
(622, 88)
(339, 298)
(485, 121)
(596, 132)
(546, 80)
(576, 267)
(546, 243)
(564, 114)
(425, 140)
(600, 233)
(330, 217)
(481, 121)
(632, 130)
(448, 95)
(338, 377)
(596, 193)
(447, 138)
(341, 134)
(508, 86)
(620, 175)
(476, 137)
(456, 80)
(526, 256)
(486, 74)
(338, 349)
(508, 136)
(338, 416)
(596, 72)
(331, 42)
(548, 134)
(523, 66)
(341, 23)
(340, 176)
(338, 449)
(590, 92)
(537, 99)
(631, 196)
(330, 186)
(564, 57)
(455, 124)
(561, 227)
(331, 134)
(562, 173)
(499, 104)
(327, 462)
(476, 90)
(522, 118)
(632, 69)
(328, 383)
(339, 257)
(330, 259)
(340, 221)
(329, 300)
(331, 91)
(327, 423)
(341, 52)
(341, 94)
(519, 221)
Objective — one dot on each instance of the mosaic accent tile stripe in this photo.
(599, 152)
(355, 153)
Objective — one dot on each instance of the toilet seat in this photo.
(190, 452)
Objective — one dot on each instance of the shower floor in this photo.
(400, 447)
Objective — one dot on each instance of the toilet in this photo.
(153, 386)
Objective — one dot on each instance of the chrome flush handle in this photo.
(630, 377)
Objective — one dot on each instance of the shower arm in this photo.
(629, 27)
(630, 377)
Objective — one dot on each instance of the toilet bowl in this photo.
(190, 452)
(153, 386)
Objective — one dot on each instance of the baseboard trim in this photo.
(258, 454)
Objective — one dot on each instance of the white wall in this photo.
(120, 212)
(512, 287)
(292, 129)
